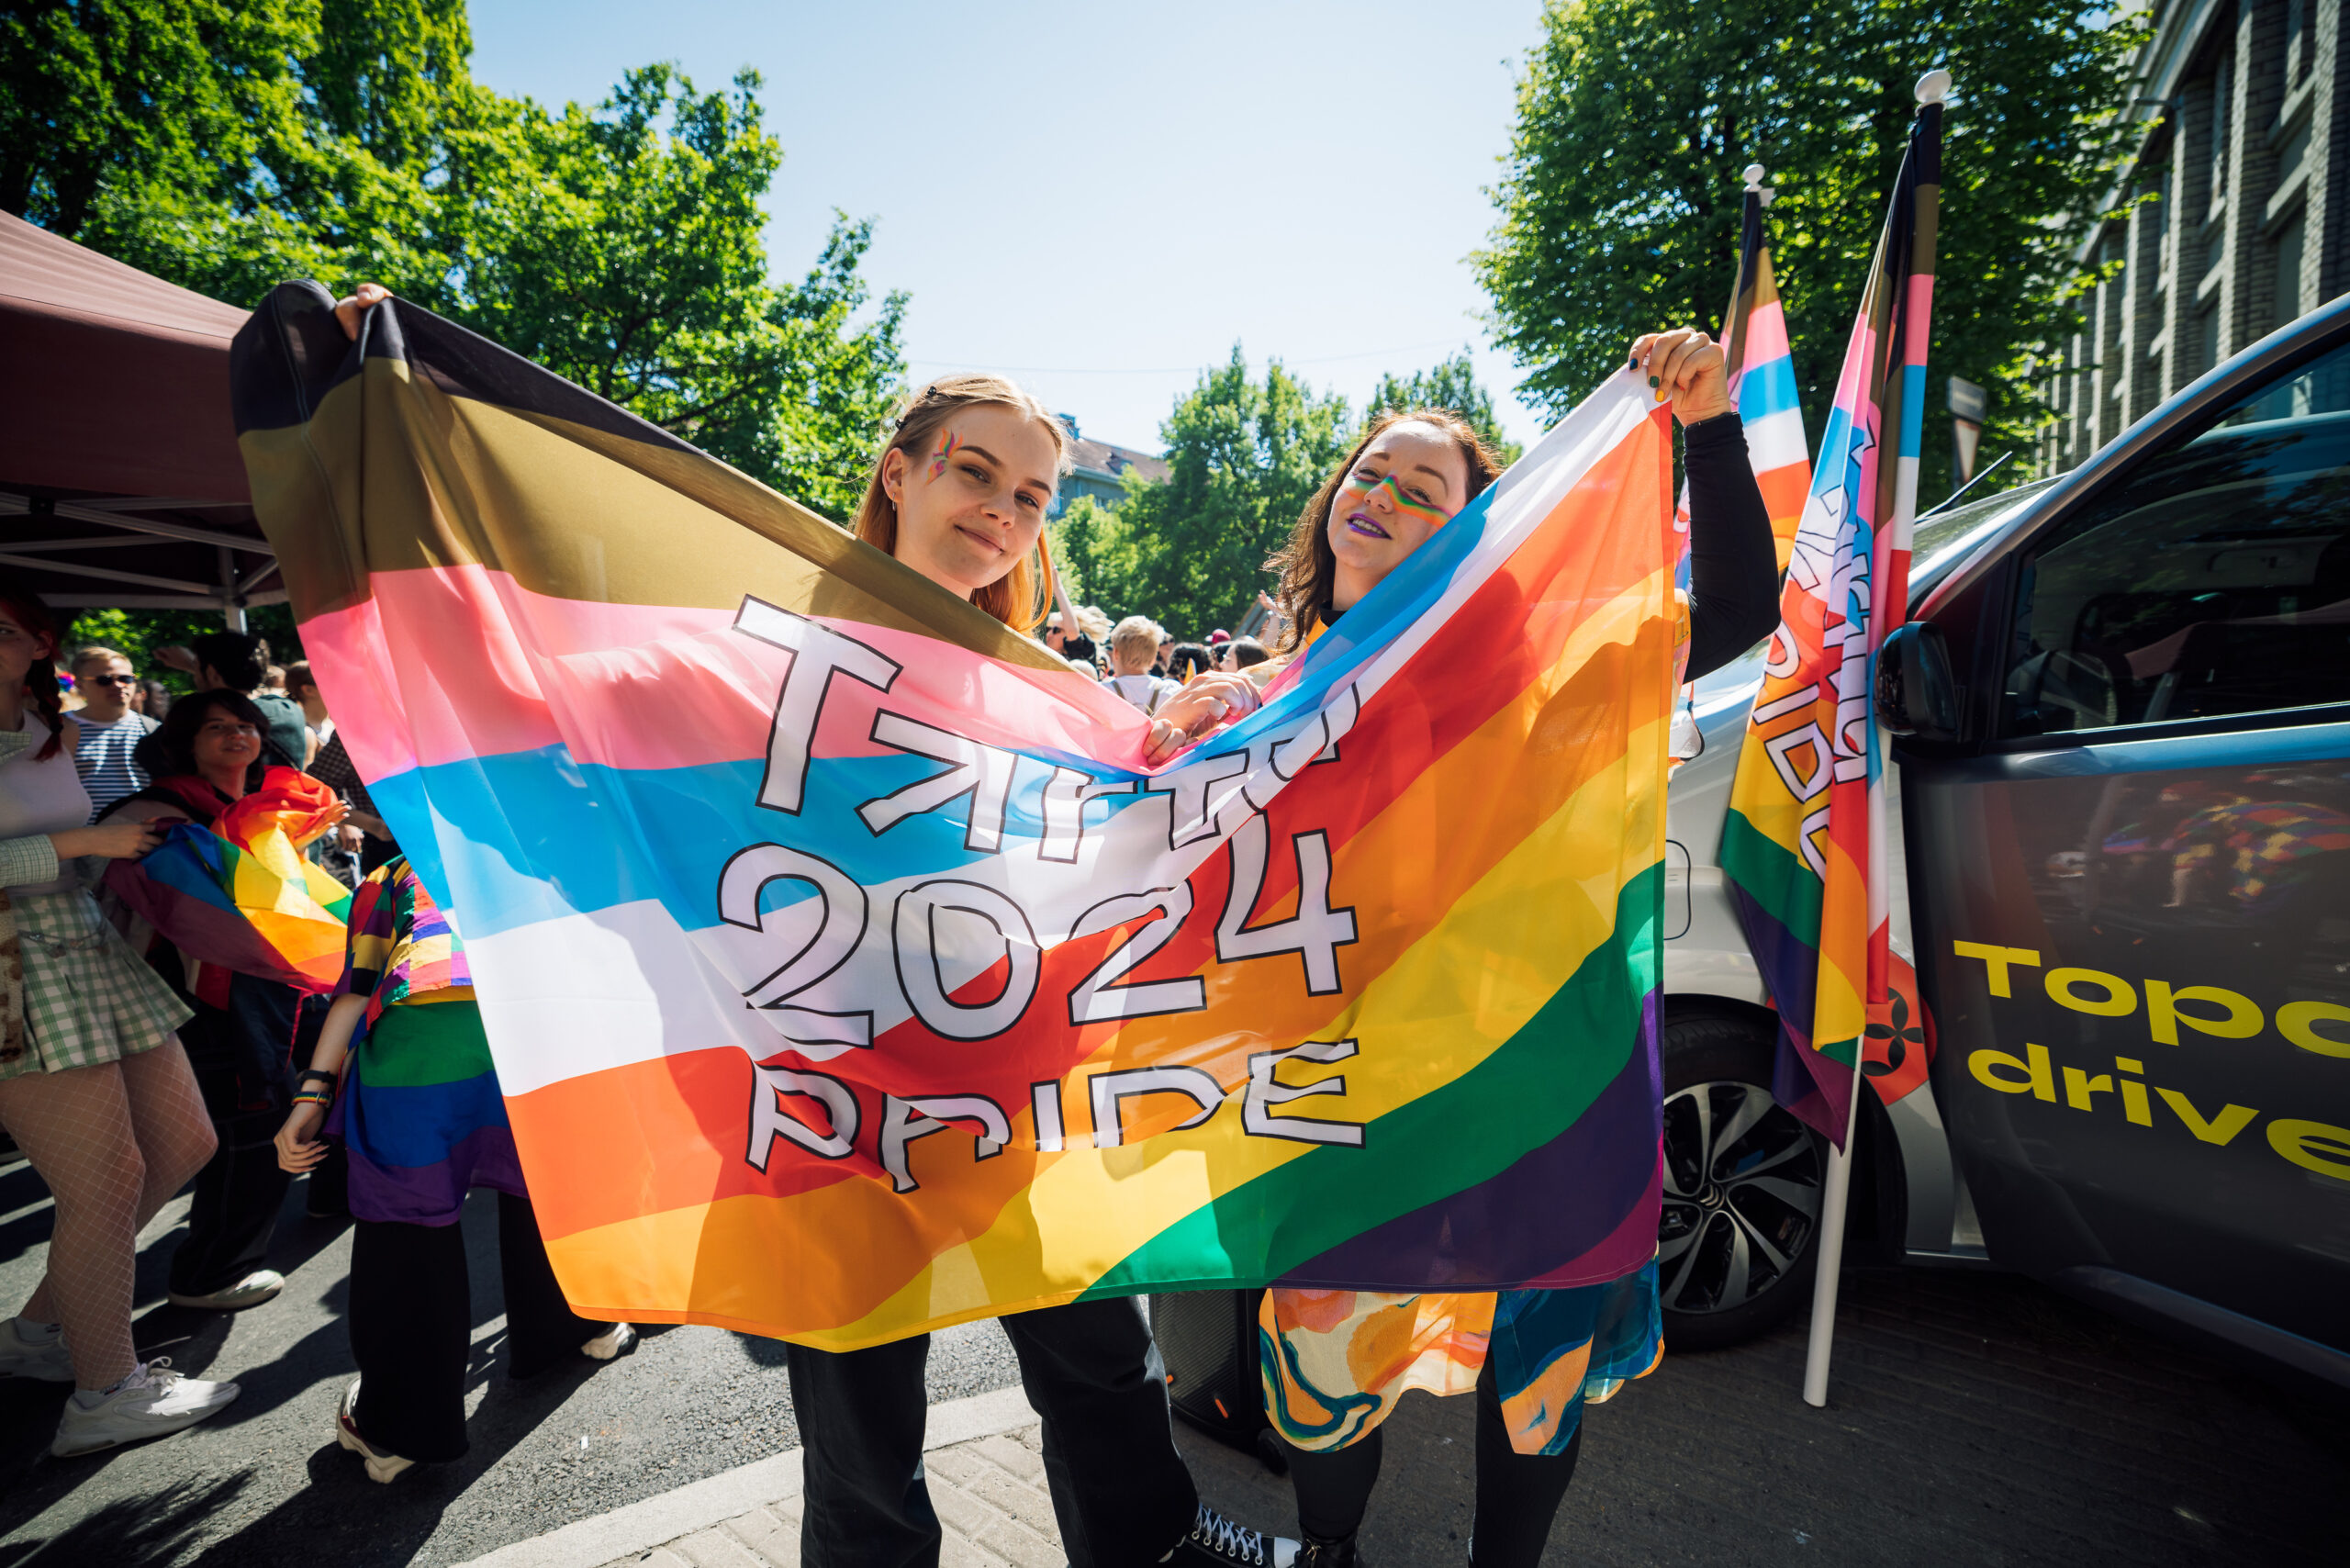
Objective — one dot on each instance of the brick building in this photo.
(2243, 217)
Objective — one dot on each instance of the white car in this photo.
(2123, 774)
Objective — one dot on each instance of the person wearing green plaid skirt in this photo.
(94, 1086)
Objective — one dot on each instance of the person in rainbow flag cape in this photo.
(243, 929)
(1805, 842)
(849, 966)
(1335, 1361)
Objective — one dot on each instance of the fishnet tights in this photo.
(114, 1142)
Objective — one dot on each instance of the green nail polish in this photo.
(1651, 380)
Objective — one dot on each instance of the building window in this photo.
(2296, 43)
(2288, 268)
(2207, 327)
(2224, 92)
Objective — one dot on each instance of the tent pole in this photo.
(1831, 1251)
(233, 609)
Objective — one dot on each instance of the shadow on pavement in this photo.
(343, 1516)
(130, 1530)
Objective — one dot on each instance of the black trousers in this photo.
(1120, 1490)
(242, 1059)
(411, 1325)
(1517, 1494)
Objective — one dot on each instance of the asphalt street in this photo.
(262, 1482)
(1975, 1418)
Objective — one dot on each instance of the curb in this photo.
(655, 1521)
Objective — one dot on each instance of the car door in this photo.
(2130, 875)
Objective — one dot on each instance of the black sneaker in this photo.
(1217, 1542)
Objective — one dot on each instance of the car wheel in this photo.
(1738, 1241)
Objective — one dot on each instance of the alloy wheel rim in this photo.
(1743, 1183)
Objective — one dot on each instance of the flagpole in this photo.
(1933, 88)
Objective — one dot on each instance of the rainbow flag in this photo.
(239, 895)
(845, 971)
(1802, 838)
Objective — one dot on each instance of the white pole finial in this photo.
(1933, 86)
(1754, 176)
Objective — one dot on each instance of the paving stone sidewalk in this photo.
(1974, 1419)
(990, 1494)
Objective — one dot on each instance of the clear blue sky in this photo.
(1102, 199)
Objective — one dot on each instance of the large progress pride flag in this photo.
(1805, 841)
(847, 972)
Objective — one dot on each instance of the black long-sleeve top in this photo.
(1733, 566)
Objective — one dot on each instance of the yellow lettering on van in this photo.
(1996, 960)
(2080, 1089)
(2312, 1146)
(2120, 998)
(2134, 1107)
(1998, 1069)
(2163, 1015)
(2297, 1020)
(2220, 1129)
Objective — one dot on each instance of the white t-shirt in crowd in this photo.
(104, 759)
(1145, 691)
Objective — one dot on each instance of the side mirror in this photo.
(1916, 697)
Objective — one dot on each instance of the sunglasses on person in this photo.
(111, 680)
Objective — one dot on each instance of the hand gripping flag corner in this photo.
(846, 973)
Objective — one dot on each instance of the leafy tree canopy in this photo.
(1243, 456)
(1620, 197)
(229, 146)
(1452, 386)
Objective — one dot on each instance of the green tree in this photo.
(189, 96)
(227, 147)
(1242, 455)
(137, 633)
(1450, 385)
(622, 248)
(1619, 199)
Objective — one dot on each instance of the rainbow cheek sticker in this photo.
(946, 453)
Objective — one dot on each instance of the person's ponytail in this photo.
(41, 681)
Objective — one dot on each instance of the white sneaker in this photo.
(382, 1467)
(152, 1401)
(44, 1361)
(258, 1286)
(612, 1341)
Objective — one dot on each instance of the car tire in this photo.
(1738, 1242)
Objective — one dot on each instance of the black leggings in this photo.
(1517, 1494)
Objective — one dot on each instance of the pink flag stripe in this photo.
(658, 686)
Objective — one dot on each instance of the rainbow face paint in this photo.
(944, 455)
(1427, 511)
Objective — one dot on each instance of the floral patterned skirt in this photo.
(1335, 1363)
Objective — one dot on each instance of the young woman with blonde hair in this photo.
(959, 494)
(1532, 1357)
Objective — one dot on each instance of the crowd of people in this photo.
(131, 1067)
(1141, 660)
